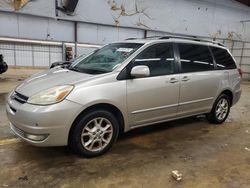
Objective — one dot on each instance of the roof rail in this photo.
(195, 38)
(151, 37)
(181, 36)
(131, 38)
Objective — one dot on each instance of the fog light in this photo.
(34, 137)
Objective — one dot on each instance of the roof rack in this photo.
(195, 38)
(151, 37)
(182, 36)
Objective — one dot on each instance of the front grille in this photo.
(19, 97)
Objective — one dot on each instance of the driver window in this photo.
(159, 58)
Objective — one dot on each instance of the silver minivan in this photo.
(122, 86)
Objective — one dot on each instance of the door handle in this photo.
(173, 80)
(185, 79)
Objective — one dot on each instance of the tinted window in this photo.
(159, 58)
(195, 58)
(223, 58)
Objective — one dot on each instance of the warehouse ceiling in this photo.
(246, 2)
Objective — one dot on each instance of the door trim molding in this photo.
(195, 101)
(171, 105)
(153, 109)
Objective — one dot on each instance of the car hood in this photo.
(51, 78)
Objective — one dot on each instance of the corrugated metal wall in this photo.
(241, 52)
(85, 51)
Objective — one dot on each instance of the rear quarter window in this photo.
(223, 59)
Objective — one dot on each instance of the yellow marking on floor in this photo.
(9, 141)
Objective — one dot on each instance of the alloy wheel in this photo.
(221, 109)
(97, 134)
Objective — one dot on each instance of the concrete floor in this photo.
(207, 155)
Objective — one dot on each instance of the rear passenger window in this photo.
(195, 58)
(159, 58)
(223, 59)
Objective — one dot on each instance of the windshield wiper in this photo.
(74, 69)
(94, 71)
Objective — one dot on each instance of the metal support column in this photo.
(75, 30)
(145, 33)
(33, 57)
(49, 56)
(232, 47)
(14, 54)
(242, 51)
(63, 52)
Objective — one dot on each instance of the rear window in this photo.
(223, 59)
(195, 58)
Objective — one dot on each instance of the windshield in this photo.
(105, 59)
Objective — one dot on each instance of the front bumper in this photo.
(34, 138)
(52, 121)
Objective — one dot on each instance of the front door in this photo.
(154, 98)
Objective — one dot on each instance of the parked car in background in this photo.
(65, 64)
(3, 65)
(122, 86)
(61, 64)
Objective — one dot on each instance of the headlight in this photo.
(51, 96)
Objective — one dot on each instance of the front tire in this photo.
(94, 133)
(220, 110)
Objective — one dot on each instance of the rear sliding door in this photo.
(198, 81)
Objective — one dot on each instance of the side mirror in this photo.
(140, 71)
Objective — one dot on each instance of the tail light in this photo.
(240, 72)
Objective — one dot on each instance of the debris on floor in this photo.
(176, 175)
(186, 158)
(23, 178)
(246, 148)
(224, 145)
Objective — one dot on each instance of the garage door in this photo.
(21, 54)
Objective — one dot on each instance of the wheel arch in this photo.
(229, 93)
(104, 106)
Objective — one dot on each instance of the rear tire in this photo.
(220, 110)
(94, 133)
